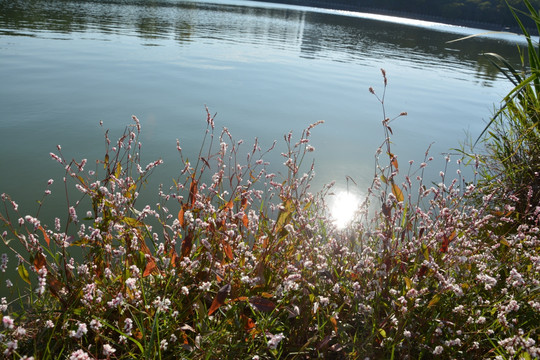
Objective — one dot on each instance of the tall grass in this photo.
(512, 137)
(235, 262)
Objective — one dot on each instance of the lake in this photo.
(264, 69)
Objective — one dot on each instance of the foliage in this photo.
(512, 137)
(235, 262)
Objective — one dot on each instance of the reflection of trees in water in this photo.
(335, 37)
(365, 39)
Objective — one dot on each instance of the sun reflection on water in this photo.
(343, 206)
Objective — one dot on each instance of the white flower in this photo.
(8, 322)
(274, 340)
(438, 350)
(108, 350)
(79, 355)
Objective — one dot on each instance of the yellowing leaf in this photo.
(408, 282)
(24, 273)
(118, 171)
(382, 332)
(284, 215)
(397, 192)
(434, 300)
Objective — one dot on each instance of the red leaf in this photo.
(192, 191)
(187, 244)
(262, 304)
(446, 241)
(220, 298)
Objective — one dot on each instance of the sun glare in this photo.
(343, 207)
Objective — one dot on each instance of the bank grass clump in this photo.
(235, 261)
(512, 137)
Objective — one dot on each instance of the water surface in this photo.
(265, 69)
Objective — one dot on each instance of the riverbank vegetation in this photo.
(235, 261)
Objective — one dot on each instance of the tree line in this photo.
(490, 13)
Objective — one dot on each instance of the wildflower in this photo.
(185, 290)
(162, 305)
(10, 347)
(108, 350)
(274, 340)
(42, 281)
(324, 300)
(20, 331)
(205, 286)
(8, 322)
(438, 350)
(5, 260)
(163, 344)
(128, 326)
(95, 325)
(116, 301)
(81, 330)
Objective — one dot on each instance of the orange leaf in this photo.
(40, 261)
(174, 257)
(394, 162)
(228, 250)
(334, 323)
(245, 220)
(248, 322)
(229, 205)
(220, 298)
(47, 239)
(181, 216)
(151, 267)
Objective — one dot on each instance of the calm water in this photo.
(265, 69)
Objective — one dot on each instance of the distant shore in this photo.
(380, 11)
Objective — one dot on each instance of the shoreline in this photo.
(403, 14)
